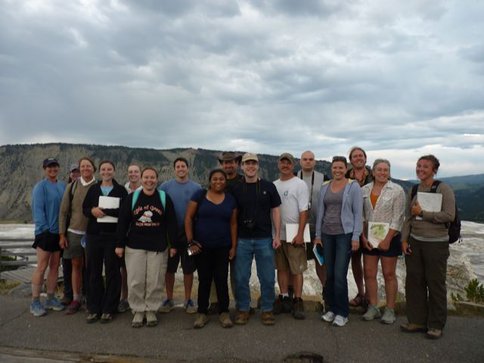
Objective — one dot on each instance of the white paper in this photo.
(108, 203)
(291, 231)
(377, 232)
(319, 257)
(430, 202)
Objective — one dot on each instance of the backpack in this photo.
(136, 196)
(453, 227)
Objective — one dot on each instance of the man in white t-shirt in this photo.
(291, 259)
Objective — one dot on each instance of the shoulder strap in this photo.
(138, 191)
(435, 184)
(414, 191)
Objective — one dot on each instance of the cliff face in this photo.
(21, 168)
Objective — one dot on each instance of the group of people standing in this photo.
(146, 234)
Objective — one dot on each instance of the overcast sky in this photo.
(399, 78)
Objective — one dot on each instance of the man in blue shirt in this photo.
(180, 189)
(46, 198)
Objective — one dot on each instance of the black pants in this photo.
(67, 272)
(213, 264)
(102, 297)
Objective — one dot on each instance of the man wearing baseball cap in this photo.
(230, 161)
(46, 199)
(291, 257)
(258, 209)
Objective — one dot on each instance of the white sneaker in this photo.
(328, 317)
(340, 320)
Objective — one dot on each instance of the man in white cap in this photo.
(258, 209)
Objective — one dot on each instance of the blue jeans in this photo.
(337, 254)
(262, 249)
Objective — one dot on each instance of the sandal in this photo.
(359, 300)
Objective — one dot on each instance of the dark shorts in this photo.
(394, 250)
(47, 241)
(187, 262)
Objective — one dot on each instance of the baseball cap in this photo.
(287, 156)
(250, 156)
(73, 167)
(50, 161)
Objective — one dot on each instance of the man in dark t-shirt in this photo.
(258, 203)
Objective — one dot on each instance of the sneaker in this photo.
(123, 306)
(372, 313)
(388, 316)
(92, 318)
(73, 307)
(167, 306)
(200, 321)
(106, 318)
(413, 328)
(434, 333)
(267, 318)
(151, 319)
(340, 320)
(54, 304)
(328, 317)
(225, 320)
(37, 309)
(138, 318)
(298, 309)
(190, 307)
(242, 317)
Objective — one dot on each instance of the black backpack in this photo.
(454, 226)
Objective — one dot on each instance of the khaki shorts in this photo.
(292, 258)
(75, 249)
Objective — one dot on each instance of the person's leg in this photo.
(415, 285)
(341, 263)
(205, 278)
(53, 274)
(113, 278)
(173, 262)
(124, 280)
(264, 258)
(435, 265)
(188, 267)
(371, 270)
(95, 256)
(77, 263)
(329, 251)
(389, 266)
(38, 274)
(220, 266)
(67, 274)
(243, 266)
(155, 279)
(136, 261)
(357, 269)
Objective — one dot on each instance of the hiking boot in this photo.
(277, 309)
(225, 321)
(388, 316)
(328, 317)
(106, 318)
(123, 306)
(340, 320)
(92, 318)
(200, 321)
(242, 317)
(267, 318)
(37, 309)
(73, 307)
(190, 307)
(54, 304)
(167, 306)
(138, 318)
(372, 313)
(413, 328)
(434, 333)
(298, 309)
(286, 305)
(151, 319)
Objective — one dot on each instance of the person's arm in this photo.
(276, 222)
(398, 211)
(233, 234)
(121, 193)
(64, 211)
(299, 237)
(171, 222)
(125, 218)
(90, 204)
(189, 217)
(38, 208)
(357, 207)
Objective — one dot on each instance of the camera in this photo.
(249, 223)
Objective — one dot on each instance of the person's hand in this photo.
(195, 248)
(63, 242)
(384, 245)
(276, 243)
(416, 209)
(365, 243)
(232, 253)
(173, 252)
(318, 241)
(119, 251)
(355, 245)
(406, 249)
(298, 240)
(97, 212)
